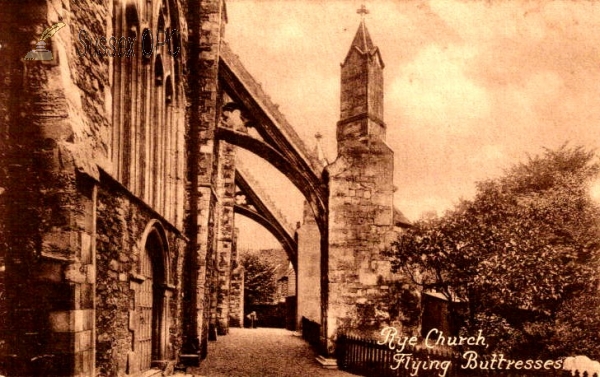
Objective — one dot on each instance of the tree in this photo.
(259, 280)
(521, 253)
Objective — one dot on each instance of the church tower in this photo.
(361, 209)
(361, 110)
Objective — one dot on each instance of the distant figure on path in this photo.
(253, 318)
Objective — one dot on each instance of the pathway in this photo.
(262, 352)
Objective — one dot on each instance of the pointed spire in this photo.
(362, 39)
(361, 97)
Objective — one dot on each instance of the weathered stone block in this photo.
(368, 278)
(90, 274)
(87, 362)
(86, 296)
(113, 265)
(83, 340)
(75, 272)
(384, 217)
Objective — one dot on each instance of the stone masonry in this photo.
(118, 189)
(205, 20)
(94, 188)
(225, 232)
(361, 212)
(50, 197)
(308, 270)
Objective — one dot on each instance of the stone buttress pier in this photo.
(361, 211)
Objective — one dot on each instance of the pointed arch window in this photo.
(125, 98)
(148, 131)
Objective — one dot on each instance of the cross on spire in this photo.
(362, 11)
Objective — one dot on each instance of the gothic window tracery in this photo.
(146, 136)
(125, 99)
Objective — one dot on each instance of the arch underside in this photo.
(280, 145)
(256, 208)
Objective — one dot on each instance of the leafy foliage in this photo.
(259, 280)
(524, 253)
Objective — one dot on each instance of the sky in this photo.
(470, 88)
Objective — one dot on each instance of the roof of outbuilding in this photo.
(401, 220)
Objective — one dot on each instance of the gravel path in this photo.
(262, 352)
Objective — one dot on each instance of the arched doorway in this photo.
(150, 306)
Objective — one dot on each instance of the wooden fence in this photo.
(365, 357)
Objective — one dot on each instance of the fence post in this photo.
(340, 350)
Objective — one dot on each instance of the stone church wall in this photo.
(120, 227)
(62, 260)
(54, 125)
(361, 226)
(94, 152)
(361, 202)
(236, 298)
